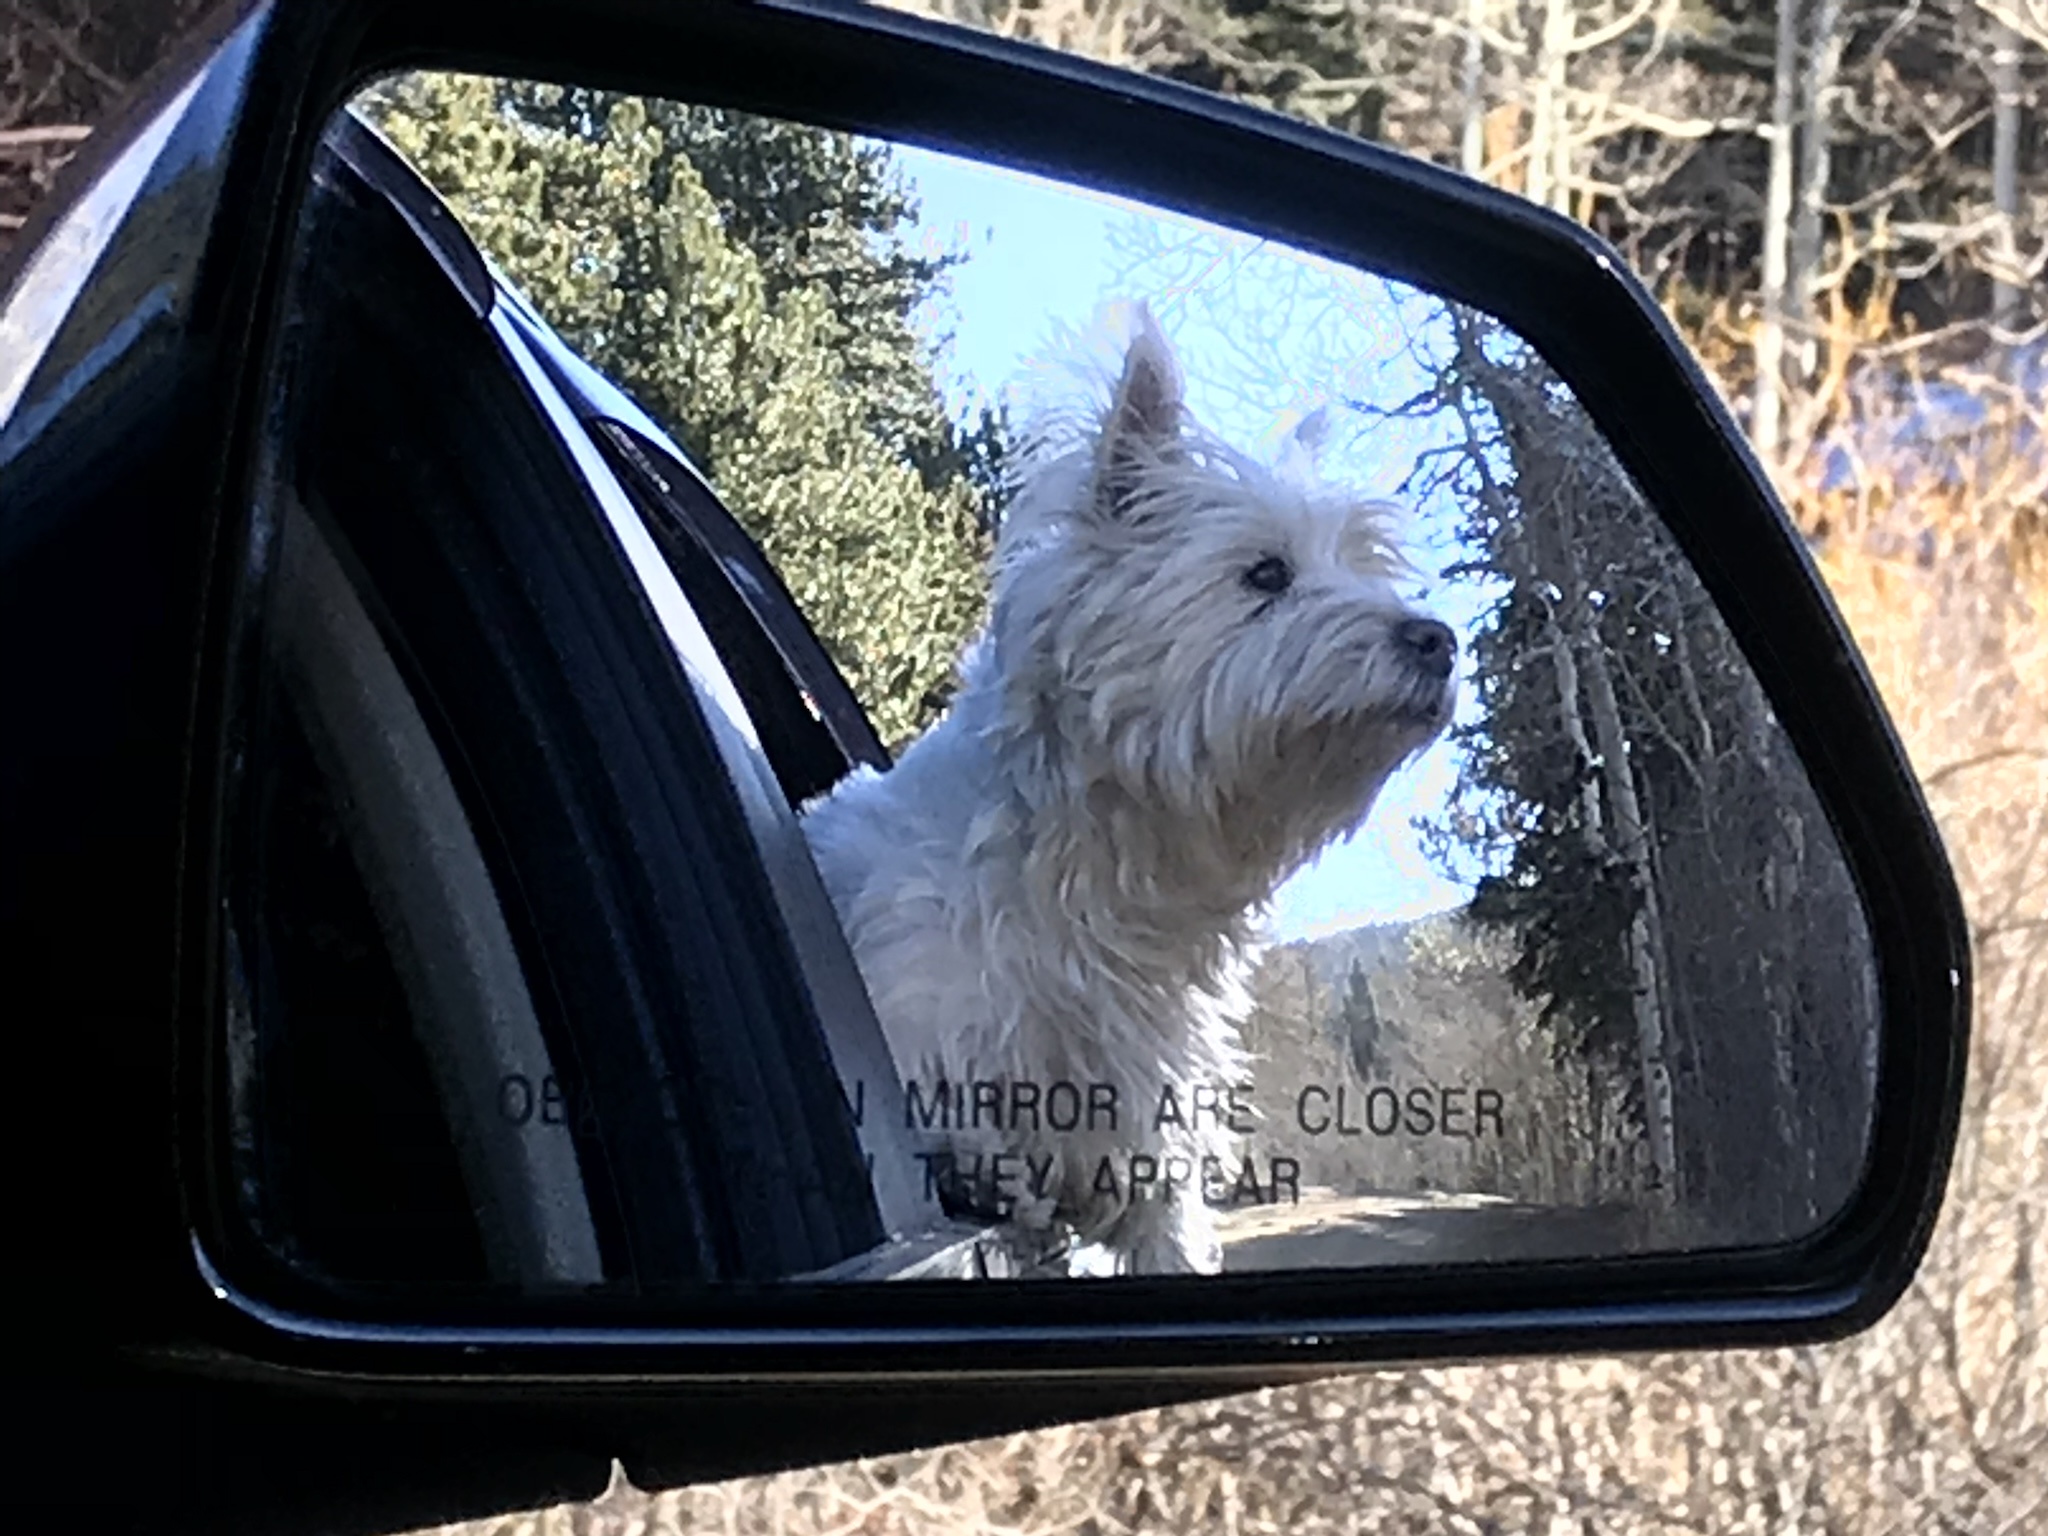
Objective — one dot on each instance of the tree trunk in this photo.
(1767, 421)
(1472, 139)
(1571, 714)
(1614, 823)
(1549, 137)
(1816, 146)
(1628, 838)
(2005, 170)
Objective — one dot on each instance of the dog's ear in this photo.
(1144, 419)
(1303, 452)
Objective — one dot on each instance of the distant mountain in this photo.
(1378, 946)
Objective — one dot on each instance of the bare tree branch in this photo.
(13, 139)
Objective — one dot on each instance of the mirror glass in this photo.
(1244, 779)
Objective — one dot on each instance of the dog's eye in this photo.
(1272, 574)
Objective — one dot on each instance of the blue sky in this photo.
(1264, 334)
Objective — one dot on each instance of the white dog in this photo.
(1196, 674)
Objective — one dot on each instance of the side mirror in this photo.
(1410, 866)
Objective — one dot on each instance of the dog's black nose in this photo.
(1431, 644)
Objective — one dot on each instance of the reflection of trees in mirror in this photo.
(1443, 1015)
(1623, 795)
(1675, 901)
(1358, 1019)
(750, 283)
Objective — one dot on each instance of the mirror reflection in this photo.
(1240, 777)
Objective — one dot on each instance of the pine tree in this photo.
(1359, 1025)
(1648, 840)
(752, 285)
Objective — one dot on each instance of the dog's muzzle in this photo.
(1430, 651)
(1429, 647)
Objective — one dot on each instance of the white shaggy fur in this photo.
(1057, 882)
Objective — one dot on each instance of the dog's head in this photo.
(1222, 639)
